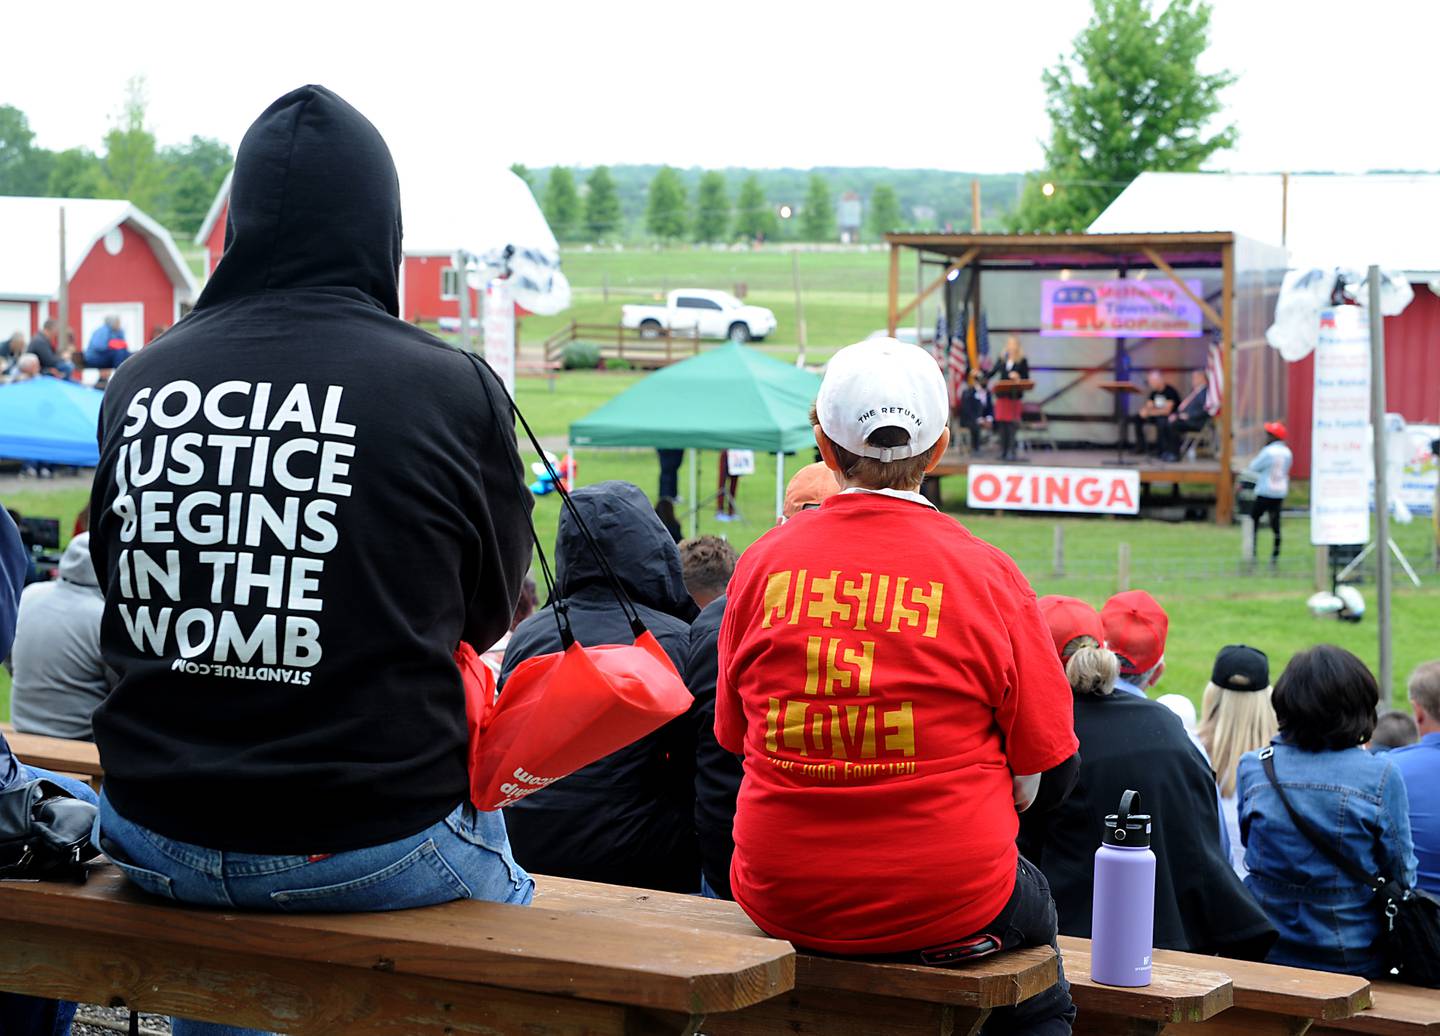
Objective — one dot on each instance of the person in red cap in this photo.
(1128, 741)
(1135, 629)
(1073, 624)
(1271, 471)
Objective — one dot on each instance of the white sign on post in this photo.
(993, 487)
(499, 326)
(1340, 461)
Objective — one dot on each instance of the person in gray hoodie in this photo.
(59, 676)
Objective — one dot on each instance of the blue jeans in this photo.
(31, 1015)
(465, 856)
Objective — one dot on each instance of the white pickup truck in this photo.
(709, 314)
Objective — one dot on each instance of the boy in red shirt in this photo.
(894, 691)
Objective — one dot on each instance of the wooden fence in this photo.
(646, 350)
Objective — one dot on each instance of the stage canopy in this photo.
(49, 421)
(729, 398)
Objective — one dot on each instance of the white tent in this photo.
(1323, 219)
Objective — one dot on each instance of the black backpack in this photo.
(44, 832)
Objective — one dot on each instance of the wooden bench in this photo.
(1265, 998)
(1396, 1011)
(547, 369)
(80, 759)
(462, 968)
(832, 996)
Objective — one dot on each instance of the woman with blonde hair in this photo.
(1237, 717)
(1127, 742)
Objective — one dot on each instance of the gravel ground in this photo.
(92, 1020)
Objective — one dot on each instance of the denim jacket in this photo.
(1326, 919)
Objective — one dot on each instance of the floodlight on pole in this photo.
(1047, 188)
(786, 212)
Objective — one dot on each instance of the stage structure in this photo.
(1096, 308)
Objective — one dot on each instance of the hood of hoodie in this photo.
(314, 203)
(641, 553)
(75, 564)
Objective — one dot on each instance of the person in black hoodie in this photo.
(303, 504)
(626, 819)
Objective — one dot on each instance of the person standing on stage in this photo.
(1012, 367)
(1271, 469)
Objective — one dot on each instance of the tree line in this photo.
(629, 202)
(175, 184)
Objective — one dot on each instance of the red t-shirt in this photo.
(884, 672)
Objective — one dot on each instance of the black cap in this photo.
(1241, 668)
(1129, 828)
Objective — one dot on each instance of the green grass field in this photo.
(1193, 568)
(843, 292)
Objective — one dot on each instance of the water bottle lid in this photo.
(1129, 828)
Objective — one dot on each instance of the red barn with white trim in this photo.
(119, 262)
(429, 286)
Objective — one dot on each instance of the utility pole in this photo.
(1382, 482)
(64, 302)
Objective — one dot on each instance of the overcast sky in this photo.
(953, 85)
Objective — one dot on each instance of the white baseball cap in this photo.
(882, 383)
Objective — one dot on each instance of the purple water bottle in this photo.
(1122, 925)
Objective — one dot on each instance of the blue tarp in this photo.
(50, 421)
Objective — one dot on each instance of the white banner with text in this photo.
(994, 487)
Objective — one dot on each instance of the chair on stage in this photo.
(1204, 440)
(1034, 427)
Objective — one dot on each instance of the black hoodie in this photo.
(628, 819)
(302, 505)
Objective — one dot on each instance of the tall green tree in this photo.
(884, 215)
(665, 215)
(1128, 100)
(76, 173)
(131, 167)
(712, 208)
(602, 204)
(817, 215)
(562, 203)
(24, 168)
(754, 218)
(194, 171)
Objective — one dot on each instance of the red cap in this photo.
(1068, 618)
(1135, 629)
(1277, 429)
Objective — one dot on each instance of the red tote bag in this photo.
(563, 711)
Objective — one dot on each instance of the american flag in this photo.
(1215, 371)
(959, 363)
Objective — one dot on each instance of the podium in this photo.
(1119, 389)
(1013, 388)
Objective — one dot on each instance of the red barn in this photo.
(1392, 219)
(429, 286)
(118, 261)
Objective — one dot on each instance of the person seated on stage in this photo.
(892, 686)
(1190, 416)
(1161, 400)
(977, 407)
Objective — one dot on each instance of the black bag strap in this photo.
(561, 611)
(1376, 882)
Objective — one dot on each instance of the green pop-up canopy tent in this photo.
(729, 398)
